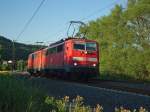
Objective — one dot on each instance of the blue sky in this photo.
(51, 22)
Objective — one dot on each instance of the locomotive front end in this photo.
(85, 57)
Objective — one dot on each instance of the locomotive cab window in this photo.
(79, 46)
(46, 53)
(91, 46)
(52, 50)
(60, 48)
(32, 56)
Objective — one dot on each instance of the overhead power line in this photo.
(58, 32)
(21, 32)
(99, 10)
(86, 17)
(30, 19)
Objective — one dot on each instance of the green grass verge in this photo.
(121, 77)
(17, 95)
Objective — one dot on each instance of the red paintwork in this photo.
(35, 60)
(30, 62)
(43, 58)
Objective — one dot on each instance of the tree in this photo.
(0, 54)
(21, 65)
(124, 38)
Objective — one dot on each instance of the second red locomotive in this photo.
(71, 57)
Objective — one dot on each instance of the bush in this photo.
(121, 109)
(64, 105)
(19, 96)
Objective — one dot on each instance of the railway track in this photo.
(125, 86)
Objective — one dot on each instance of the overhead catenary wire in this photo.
(58, 32)
(62, 29)
(99, 10)
(30, 20)
(88, 16)
(22, 31)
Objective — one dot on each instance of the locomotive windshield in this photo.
(79, 46)
(89, 46)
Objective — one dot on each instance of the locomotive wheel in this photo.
(84, 77)
(58, 75)
(65, 76)
(74, 76)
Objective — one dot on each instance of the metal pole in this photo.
(13, 55)
(39, 44)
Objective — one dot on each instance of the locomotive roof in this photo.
(66, 39)
(59, 42)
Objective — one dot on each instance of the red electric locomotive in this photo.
(70, 57)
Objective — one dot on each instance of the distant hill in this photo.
(21, 50)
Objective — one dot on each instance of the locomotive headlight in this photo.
(85, 52)
(75, 64)
(94, 65)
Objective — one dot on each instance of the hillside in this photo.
(21, 50)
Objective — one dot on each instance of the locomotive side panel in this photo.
(43, 59)
(30, 63)
(40, 61)
(55, 58)
(37, 61)
(68, 53)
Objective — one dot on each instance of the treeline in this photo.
(20, 56)
(21, 50)
(20, 65)
(124, 38)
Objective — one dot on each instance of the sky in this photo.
(52, 20)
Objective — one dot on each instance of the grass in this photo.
(4, 72)
(121, 77)
(20, 95)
